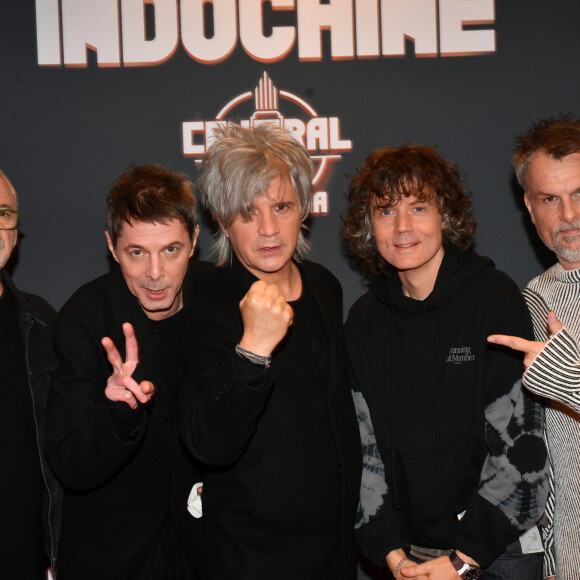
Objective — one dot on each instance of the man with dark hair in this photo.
(267, 405)
(547, 164)
(454, 466)
(30, 494)
(112, 429)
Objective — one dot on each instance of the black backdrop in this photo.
(68, 131)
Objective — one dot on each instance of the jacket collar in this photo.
(25, 311)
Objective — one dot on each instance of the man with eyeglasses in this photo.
(29, 491)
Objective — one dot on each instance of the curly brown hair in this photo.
(558, 137)
(388, 174)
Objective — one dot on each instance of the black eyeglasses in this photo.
(9, 218)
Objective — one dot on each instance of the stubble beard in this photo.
(563, 249)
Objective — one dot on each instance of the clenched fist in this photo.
(266, 316)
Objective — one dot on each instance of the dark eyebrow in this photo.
(140, 247)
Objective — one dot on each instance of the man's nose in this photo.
(403, 222)
(268, 224)
(155, 270)
(570, 210)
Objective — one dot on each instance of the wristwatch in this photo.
(465, 570)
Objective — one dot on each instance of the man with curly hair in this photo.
(455, 467)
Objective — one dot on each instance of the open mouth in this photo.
(156, 294)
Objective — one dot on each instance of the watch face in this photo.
(471, 575)
(465, 571)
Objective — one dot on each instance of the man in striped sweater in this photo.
(547, 164)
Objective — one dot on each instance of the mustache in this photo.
(575, 225)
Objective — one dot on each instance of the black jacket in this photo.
(282, 446)
(119, 489)
(454, 430)
(35, 319)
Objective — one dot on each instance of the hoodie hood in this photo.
(457, 268)
(409, 320)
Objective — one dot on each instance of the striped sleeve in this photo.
(548, 530)
(539, 312)
(555, 371)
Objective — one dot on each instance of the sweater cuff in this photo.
(125, 422)
(376, 542)
(484, 532)
(255, 376)
(549, 564)
(555, 372)
(549, 555)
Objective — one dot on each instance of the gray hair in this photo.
(557, 137)
(10, 186)
(239, 166)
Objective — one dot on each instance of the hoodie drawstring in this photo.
(396, 502)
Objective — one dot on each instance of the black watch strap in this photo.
(465, 570)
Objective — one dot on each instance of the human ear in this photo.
(223, 228)
(529, 206)
(194, 240)
(111, 247)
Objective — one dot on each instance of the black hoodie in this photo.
(453, 428)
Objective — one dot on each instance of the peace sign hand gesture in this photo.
(120, 385)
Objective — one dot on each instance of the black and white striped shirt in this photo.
(555, 374)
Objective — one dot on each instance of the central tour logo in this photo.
(320, 135)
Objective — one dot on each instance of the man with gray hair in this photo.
(547, 164)
(267, 405)
(31, 495)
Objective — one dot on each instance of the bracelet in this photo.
(399, 566)
(264, 361)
